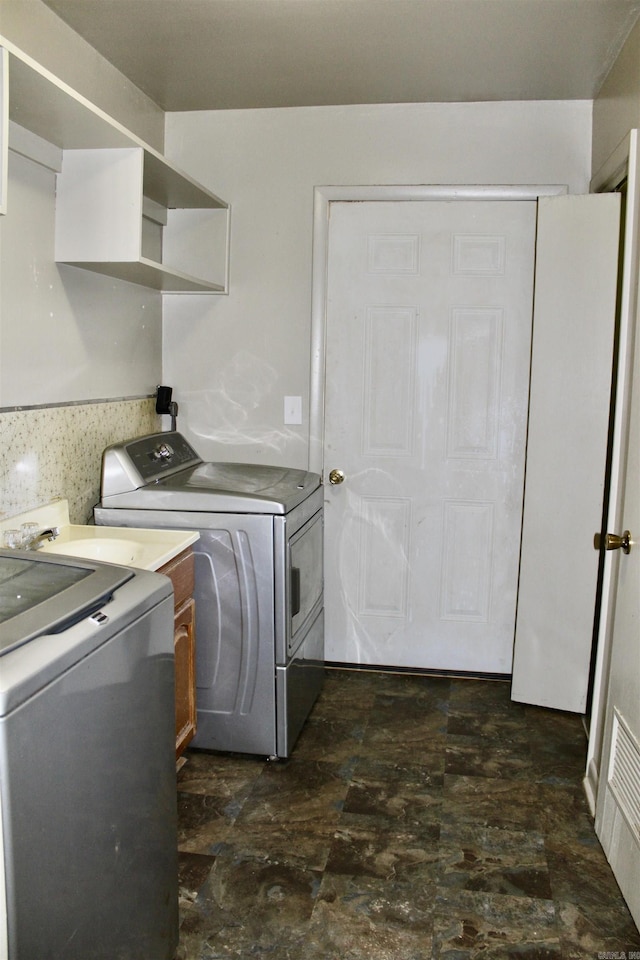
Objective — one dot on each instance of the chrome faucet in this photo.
(49, 534)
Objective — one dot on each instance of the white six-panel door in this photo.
(428, 333)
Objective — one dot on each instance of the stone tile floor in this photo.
(417, 818)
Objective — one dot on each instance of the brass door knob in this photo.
(613, 542)
(336, 476)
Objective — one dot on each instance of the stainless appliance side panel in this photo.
(235, 636)
(89, 803)
(234, 595)
(298, 685)
(29, 667)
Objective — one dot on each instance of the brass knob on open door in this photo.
(613, 542)
(336, 476)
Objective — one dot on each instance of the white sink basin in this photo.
(141, 547)
(129, 553)
(128, 546)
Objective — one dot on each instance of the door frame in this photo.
(323, 197)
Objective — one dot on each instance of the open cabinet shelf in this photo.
(148, 273)
(109, 178)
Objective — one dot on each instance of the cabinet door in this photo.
(184, 645)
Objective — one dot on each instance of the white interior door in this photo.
(618, 780)
(428, 331)
(573, 332)
(618, 803)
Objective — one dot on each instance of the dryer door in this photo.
(305, 572)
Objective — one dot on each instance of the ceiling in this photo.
(223, 54)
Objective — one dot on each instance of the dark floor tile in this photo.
(226, 777)
(414, 686)
(346, 688)
(304, 845)
(558, 763)
(399, 902)
(481, 757)
(201, 932)
(469, 925)
(490, 802)
(212, 932)
(404, 796)
(428, 751)
(262, 897)
(484, 696)
(555, 726)
(418, 818)
(563, 811)
(296, 792)
(365, 918)
(380, 847)
(494, 860)
(400, 728)
(193, 870)
(495, 727)
(347, 683)
(331, 739)
(426, 705)
(516, 804)
(202, 823)
(583, 935)
(582, 881)
(424, 769)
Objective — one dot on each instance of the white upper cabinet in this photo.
(121, 208)
(118, 214)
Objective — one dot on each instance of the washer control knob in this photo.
(162, 452)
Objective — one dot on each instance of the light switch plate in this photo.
(293, 410)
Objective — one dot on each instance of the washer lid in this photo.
(43, 594)
(223, 488)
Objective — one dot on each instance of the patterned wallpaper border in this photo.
(50, 452)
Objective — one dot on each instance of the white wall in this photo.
(66, 334)
(617, 107)
(232, 359)
(72, 343)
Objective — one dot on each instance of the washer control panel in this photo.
(144, 460)
(155, 455)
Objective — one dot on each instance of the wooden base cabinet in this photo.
(184, 641)
(180, 571)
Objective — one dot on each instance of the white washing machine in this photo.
(258, 582)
